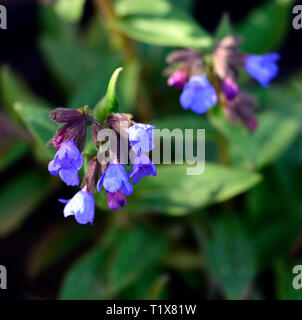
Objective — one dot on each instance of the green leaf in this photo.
(19, 198)
(70, 11)
(140, 250)
(175, 193)
(230, 259)
(13, 89)
(275, 238)
(113, 266)
(224, 28)
(37, 121)
(109, 103)
(150, 285)
(171, 28)
(266, 27)
(131, 7)
(82, 280)
(273, 137)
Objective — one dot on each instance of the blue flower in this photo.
(115, 178)
(116, 200)
(198, 95)
(141, 137)
(68, 160)
(262, 68)
(142, 166)
(81, 206)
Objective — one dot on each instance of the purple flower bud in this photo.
(74, 127)
(115, 178)
(252, 123)
(198, 95)
(262, 68)
(92, 175)
(73, 130)
(242, 107)
(142, 166)
(182, 55)
(81, 206)
(67, 161)
(227, 58)
(247, 117)
(62, 115)
(229, 88)
(115, 120)
(116, 199)
(141, 137)
(178, 79)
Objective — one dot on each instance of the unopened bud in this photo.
(178, 79)
(119, 121)
(62, 115)
(229, 88)
(73, 130)
(92, 175)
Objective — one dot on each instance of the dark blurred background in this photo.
(20, 51)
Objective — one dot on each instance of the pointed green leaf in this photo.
(175, 193)
(170, 28)
(82, 280)
(131, 7)
(140, 250)
(109, 103)
(224, 28)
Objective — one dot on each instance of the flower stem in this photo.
(106, 12)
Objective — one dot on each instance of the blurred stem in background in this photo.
(106, 12)
(221, 140)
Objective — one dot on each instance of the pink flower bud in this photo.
(178, 79)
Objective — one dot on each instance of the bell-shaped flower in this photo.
(263, 68)
(198, 95)
(142, 166)
(141, 137)
(67, 161)
(116, 199)
(115, 178)
(81, 206)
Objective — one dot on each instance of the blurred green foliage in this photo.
(217, 233)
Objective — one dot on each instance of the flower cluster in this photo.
(110, 174)
(189, 72)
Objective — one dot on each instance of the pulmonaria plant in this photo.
(70, 140)
(205, 81)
